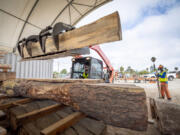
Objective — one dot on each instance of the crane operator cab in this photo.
(87, 68)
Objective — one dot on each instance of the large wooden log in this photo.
(106, 29)
(73, 52)
(67, 80)
(119, 105)
(167, 115)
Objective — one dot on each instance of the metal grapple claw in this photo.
(43, 35)
(20, 46)
(58, 29)
(32, 38)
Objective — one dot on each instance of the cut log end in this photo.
(167, 115)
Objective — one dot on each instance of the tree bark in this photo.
(118, 105)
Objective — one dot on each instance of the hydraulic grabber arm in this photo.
(110, 68)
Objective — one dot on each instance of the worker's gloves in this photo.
(157, 74)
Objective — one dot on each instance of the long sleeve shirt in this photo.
(163, 75)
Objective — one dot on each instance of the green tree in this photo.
(63, 71)
(55, 72)
(130, 70)
(143, 72)
(121, 69)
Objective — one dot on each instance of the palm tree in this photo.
(176, 69)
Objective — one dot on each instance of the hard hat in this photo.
(86, 67)
(160, 67)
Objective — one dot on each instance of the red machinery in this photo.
(106, 61)
(95, 66)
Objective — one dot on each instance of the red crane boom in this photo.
(106, 61)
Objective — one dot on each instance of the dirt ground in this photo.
(151, 92)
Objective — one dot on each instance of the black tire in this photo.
(170, 78)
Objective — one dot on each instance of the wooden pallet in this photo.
(46, 117)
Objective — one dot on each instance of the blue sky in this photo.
(151, 10)
(149, 28)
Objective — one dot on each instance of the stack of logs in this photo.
(118, 105)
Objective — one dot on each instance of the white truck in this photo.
(171, 75)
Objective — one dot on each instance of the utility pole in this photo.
(153, 59)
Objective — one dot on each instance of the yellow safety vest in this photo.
(163, 79)
(85, 75)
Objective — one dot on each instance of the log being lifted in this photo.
(106, 29)
(118, 105)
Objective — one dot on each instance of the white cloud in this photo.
(130, 10)
(157, 35)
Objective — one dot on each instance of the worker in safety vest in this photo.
(164, 82)
(85, 73)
